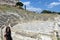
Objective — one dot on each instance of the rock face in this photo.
(9, 2)
(11, 18)
(31, 26)
(37, 30)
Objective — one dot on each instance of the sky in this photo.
(39, 5)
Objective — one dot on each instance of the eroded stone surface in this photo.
(8, 2)
(36, 30)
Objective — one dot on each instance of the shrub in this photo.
(20, 4)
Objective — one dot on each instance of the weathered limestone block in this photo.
(54, 36)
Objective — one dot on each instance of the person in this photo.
(7, 35)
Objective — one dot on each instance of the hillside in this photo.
(20, 15)
(30, 25)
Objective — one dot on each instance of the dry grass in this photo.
(27, 15)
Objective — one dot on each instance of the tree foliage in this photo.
(20, 4)
(46, 11)
(50, 12)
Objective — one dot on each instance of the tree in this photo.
(46, 11)
(58, 12)
(20, 4)
(50, 12)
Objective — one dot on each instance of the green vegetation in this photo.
(46, 11)
(50, 12)
(20, 4)
(58, 38)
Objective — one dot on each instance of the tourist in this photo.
(7, 35)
